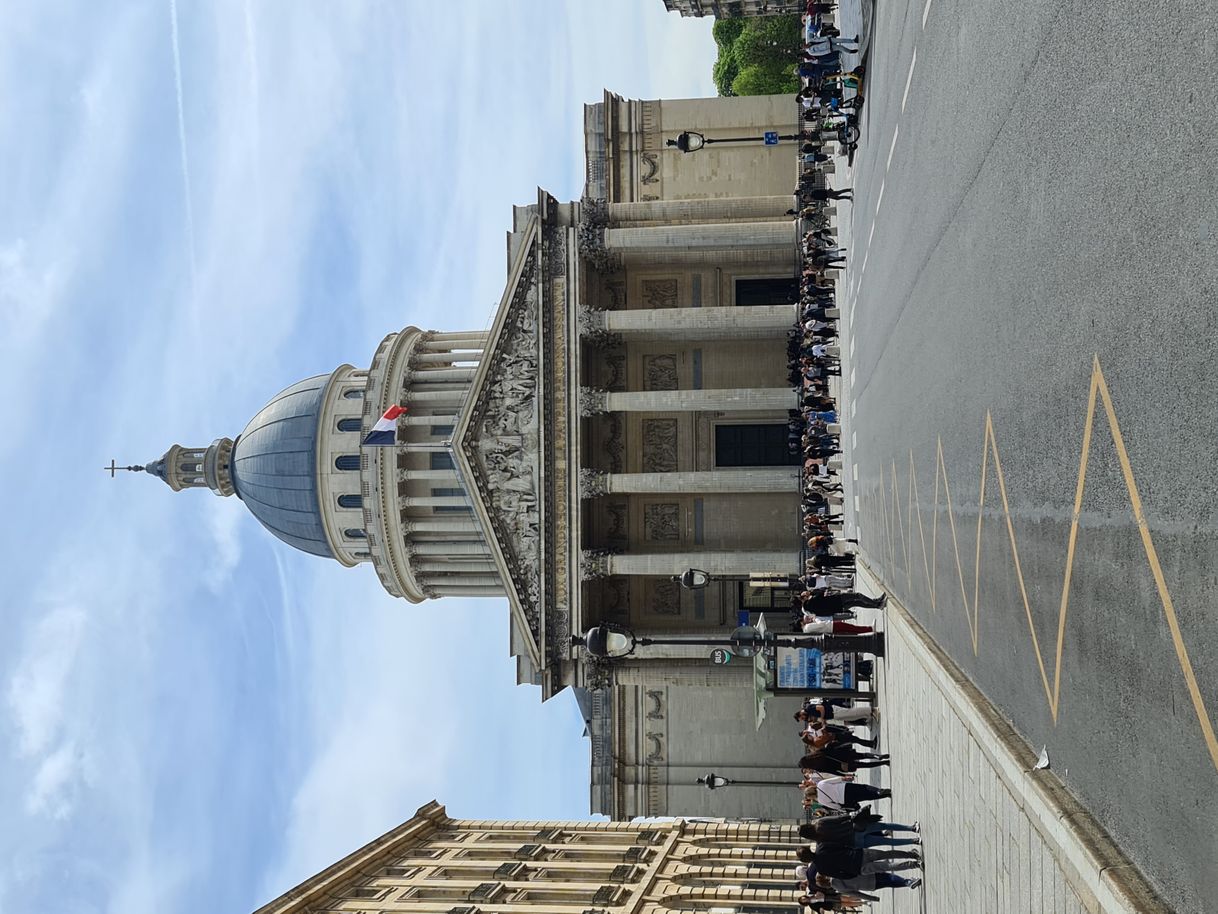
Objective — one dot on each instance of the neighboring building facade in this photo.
(622, 420)
(734, 9)
(432, 864)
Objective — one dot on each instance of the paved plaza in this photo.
(998, 836)
(1030, 309)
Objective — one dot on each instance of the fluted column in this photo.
(465, 580)
(449, 590)
(768, 479)
(435, 375)
(446, 356)
(754, 322)
(441, 418)
(434, 501)
(713, 210)
(594, 402)
(423, 447)
(433, 566)
(443, 476)
(450, 547)
(451, 397)
(457, 349)
(440, 524)
(459, 336)
(733, 236)
(667, 564)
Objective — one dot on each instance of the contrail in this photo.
(177, 80)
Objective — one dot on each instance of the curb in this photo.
(1104, 879)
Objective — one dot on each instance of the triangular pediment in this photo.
(499, 439)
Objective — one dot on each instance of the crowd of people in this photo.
(852, 853)
(825, 108)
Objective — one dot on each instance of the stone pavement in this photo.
(998, 837)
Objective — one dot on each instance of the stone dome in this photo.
(274, 466)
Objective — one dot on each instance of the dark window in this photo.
(441, 431)
(348, 425)
(753, 446)
(354, 393)
(346, 462)
(782, 290)
(764, 599)
(355, 533)
(442, 460)
(449, 509)
(350, 501)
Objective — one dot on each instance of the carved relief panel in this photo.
(662, 522)
(660, 440)
(662, 597)
(660, 372)
(659, 293)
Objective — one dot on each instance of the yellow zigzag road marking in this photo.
(1098, 392)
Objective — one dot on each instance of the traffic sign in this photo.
(720, 656)
(771, 137)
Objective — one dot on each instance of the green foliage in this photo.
(725, 70)
(765, 80)
(757, 56)
(726, 31)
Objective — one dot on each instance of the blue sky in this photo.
(204, 201)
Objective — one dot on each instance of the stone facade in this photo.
(621, 421)
(434, 864)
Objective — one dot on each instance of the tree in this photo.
(725, 71)
(725, 31)
(757, 56)
(765, 80)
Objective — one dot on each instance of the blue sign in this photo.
(771, 137)
(808, 668)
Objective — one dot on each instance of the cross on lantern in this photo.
(114, 468)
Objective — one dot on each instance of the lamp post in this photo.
(610, 641)
(692, 141)
(714, 781)
(693, 579)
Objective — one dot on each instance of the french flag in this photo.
(385, 432)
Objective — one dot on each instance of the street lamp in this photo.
(610, 641)
(714, 781)
(692, 141)
(694, 579)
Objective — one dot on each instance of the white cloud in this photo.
(54, 782)
(225, 520)
(38, 690)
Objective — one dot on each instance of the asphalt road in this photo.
(1036, 195)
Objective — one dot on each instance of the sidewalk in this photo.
(998, 837)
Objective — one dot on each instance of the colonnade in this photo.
(684, 232)
(449, 554)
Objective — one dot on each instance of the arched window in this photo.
(354, 393)
(346, 462)
(350, 424)
(363, 555)
(355, 533)
(350, 501)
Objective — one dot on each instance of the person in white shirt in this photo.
(841, 792)
(817, 625)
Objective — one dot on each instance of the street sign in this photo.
(720, 656)
(771, 137)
